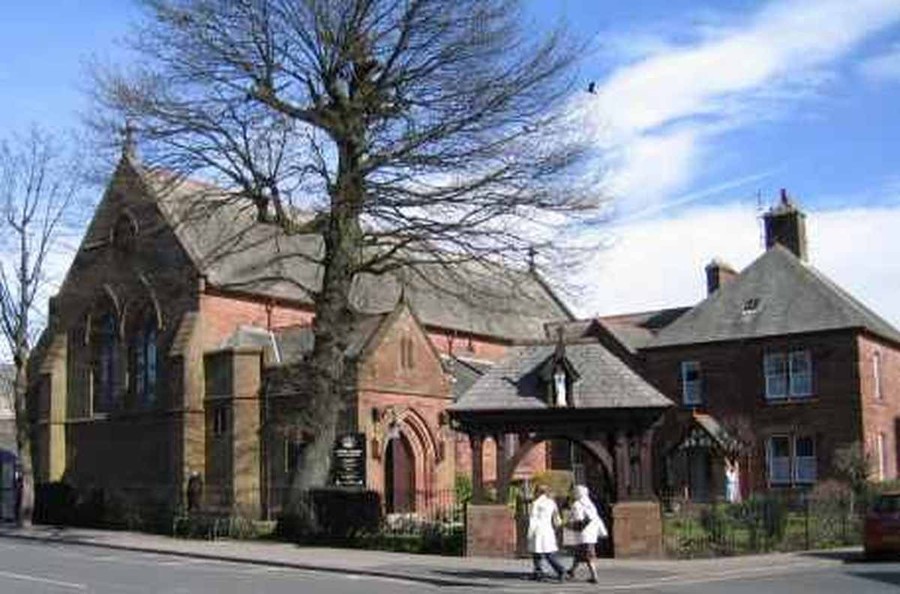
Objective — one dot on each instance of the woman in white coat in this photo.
(588, 527)
(542, 525)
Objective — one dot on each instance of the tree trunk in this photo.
(23, 442)
(333, 320)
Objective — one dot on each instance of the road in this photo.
(56, 568)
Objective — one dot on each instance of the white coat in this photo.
(584, 509)
(541, 531)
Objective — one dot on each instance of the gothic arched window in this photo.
(144, 361)
(106, 364)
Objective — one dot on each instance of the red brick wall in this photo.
(734, 392)
(413, 396)
(222, 314)
(467, 346)
(880, 415)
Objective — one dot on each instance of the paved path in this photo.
(480, 574)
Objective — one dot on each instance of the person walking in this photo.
(542, 525)
(589, 528)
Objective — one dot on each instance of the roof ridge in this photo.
(780, 313)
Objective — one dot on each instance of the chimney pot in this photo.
(717, 274)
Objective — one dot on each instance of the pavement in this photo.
(471, 572)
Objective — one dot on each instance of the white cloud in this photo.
(882, 67)
(658, 109)
(660, 262)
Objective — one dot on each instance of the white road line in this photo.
(33, 578)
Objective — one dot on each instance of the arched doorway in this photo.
(570, 462)
(399, 476)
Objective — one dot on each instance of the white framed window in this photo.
(788, 375)
(691, 384)
(560, 386)
(775, 369)
(876, 375)
(779, 454)
(791, 460)
(800, 371)
(804, 460)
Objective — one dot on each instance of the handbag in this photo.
(578, 525)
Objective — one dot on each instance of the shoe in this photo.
(536, 577)
(570, 574)
(592, 580)
(561, 578)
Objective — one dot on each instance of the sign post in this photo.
(350, 460)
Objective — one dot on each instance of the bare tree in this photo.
(38, 185)
(420, 132)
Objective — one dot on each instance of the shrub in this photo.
(331, 514)
(54, 503)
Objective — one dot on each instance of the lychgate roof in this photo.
(604, 382)
(777, 294)
(234, 251)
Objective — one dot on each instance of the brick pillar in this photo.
(233, 452)
(246, 432)
(50, 462)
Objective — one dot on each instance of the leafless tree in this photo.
(420, 132)
(38, 185)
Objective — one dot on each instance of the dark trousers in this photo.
(551, 559)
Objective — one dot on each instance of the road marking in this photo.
(33, 578)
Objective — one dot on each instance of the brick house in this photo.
(775, 371)
(175, 351)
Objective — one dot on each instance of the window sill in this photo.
(790, 400)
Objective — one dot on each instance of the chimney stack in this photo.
(785, 224)
(717, 274)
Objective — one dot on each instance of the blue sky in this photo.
(702, 106)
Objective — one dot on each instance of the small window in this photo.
(881, 456)
(691, 387)
(292, 451)
(876, 375)
(560, 387)
(220, 420)
(751, 306)
(406, 353)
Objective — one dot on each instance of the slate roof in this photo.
(295, 342)
(464, 372)
(605, 381)
(637, 330)
(790, 297)
(234, 251)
